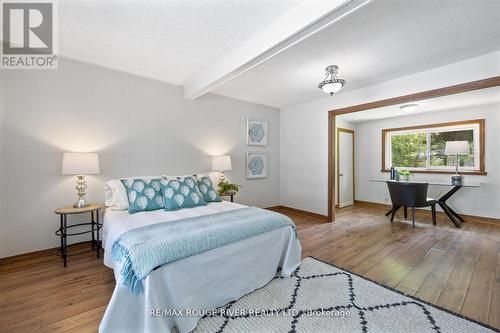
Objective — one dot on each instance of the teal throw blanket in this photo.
(145, 248)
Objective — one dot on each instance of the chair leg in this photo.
(413, 216)
(406, 212)
(433, 207)
(394, 209)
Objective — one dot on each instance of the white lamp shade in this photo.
(80, 164)
(221, 163)
(332, 87)
(456, 148)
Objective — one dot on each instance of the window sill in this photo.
(472, 173)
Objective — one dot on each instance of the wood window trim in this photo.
(482, 150)
(444, 91)
(445, 172)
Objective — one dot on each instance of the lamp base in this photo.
(81, 186)
(222, 177)
(456, 179)
(81, 203)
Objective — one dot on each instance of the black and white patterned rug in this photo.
(320, 297)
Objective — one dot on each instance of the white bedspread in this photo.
(204, 281)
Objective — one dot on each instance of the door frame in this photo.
(449, 90)
(345, 130)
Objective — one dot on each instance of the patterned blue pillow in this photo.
(143, 194)
(181, 193)
(207, 190)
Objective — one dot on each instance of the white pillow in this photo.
(115, 195)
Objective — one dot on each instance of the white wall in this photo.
(138, 126)
(484, 201)
(304, 127)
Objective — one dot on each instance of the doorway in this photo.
(410, 98)
(345, 167)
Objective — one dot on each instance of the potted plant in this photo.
(225, 187)
(405, 174)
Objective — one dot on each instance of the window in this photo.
(421, 148)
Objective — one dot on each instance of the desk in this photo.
(452, 215)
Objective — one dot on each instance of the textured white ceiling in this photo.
(164, 40)
(384, 40)
(468, 99)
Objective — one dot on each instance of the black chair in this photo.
(404, 194)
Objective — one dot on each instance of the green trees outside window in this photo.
(409, 150)
(425, 149)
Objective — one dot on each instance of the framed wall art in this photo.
(256, 132)
(256, 165)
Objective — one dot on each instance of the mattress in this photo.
(194, 284)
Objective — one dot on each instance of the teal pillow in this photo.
(207, 190)
(181, 193)
(143, 194)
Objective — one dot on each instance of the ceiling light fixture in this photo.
(331, 84)
(409, 107)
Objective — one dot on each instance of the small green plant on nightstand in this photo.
(225, 187)
(405, 174)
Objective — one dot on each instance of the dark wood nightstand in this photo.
(228, 194)
(94, 224)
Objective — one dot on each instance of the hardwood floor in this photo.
(458, 269)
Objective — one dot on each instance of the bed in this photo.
(175, 294)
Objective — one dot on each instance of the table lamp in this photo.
(456, 148)
(221, 164)
(80, 164)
